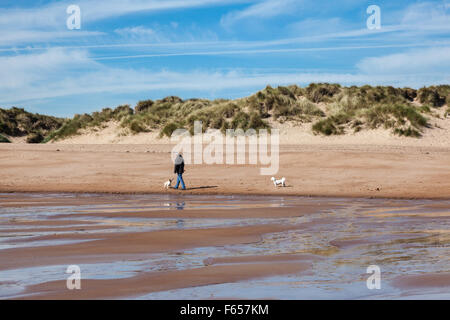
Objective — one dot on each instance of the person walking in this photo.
(179, 170)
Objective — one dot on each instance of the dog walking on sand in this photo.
(167, 184)
(281, 182)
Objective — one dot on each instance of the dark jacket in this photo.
(179, 165)
(179, 168)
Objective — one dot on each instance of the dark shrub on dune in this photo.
(171, 100)
(255, 122)
(199, 116)
(408, 132)
(35, 137)
(285, 103)
(122, 111)
(170, 128)
(16, 122)
(391, 116)
(228, 110)
(3, 139)
(240, 120)
(137, 127)
(143, 106)
(409, 94)
(403, 119)
(333, 125)
(431, 96)
(321, 92)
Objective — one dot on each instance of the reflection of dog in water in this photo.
(167, 184)
(281, 182)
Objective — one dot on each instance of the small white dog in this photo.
(167, 184)
(281, 182)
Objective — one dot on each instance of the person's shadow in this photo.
(202, 187)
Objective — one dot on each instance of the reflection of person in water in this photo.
(180, 206)
(179, 170)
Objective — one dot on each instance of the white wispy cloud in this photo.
(114, 81)
(225, 52)
(41, 23)
(425, 13)
(430, 60)
(166, 36)
(136, 31)
(17, 37)
(54, 14)
(422, 20)
(141, 33)
(96, 10)
(21, 73)
(261, 10)
(59, 73)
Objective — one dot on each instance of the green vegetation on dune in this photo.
(435, 96)
(170, 128)
(322, 92)
(35, 137)
(3, 139)
(331, 108)
(284, 104)
(96, 120)
(333, 124)
(357, 108)
(17, 122)
(404, 120)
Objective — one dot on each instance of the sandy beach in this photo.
(232, 234)
(310, 170)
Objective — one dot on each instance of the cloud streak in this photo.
(59, 73)
(430, 60)
(261, 10)
(41, 24)
(264, 51)
(54, 14)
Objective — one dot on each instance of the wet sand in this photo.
(159, 281)
(131, 244)
(202, 246)
(310, 170)
(436, 280)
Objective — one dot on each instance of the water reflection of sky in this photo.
(401, 236)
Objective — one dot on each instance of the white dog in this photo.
(281, 182)
(167, 184)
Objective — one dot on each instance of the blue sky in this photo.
(131, 50)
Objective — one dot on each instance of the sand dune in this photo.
(290, 134)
